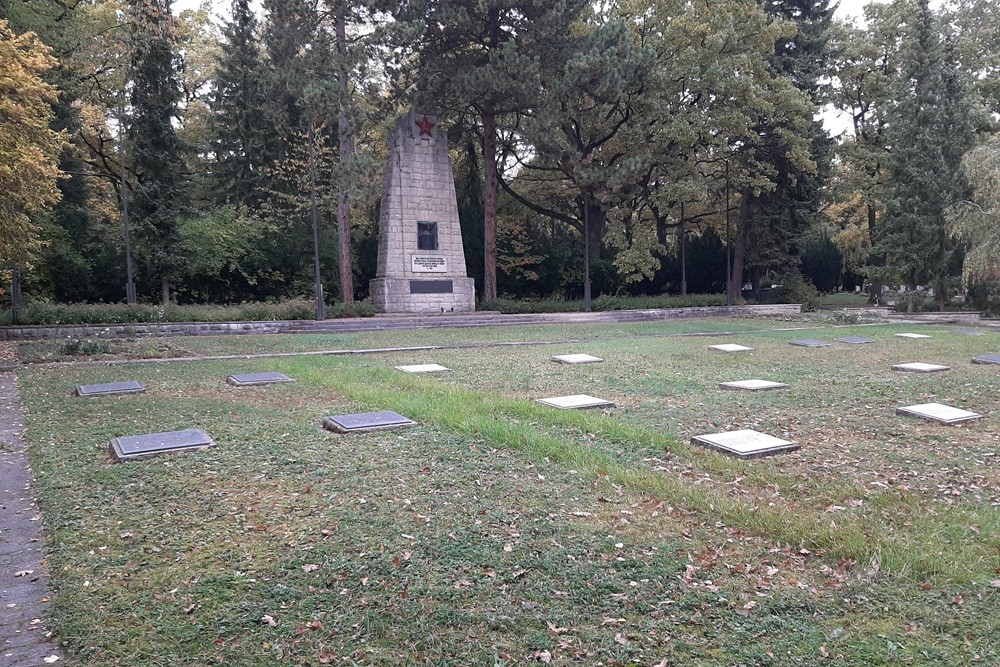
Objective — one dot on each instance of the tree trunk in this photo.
(165, 291)
(346, 155)
(875, 295)
(735, 287)
(15, 296)
(490, 217)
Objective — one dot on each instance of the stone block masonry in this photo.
(421, 259)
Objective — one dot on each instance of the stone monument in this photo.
(421, 260)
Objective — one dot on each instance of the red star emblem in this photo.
(425, 126)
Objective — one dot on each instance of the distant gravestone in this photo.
(131, 447)
(422, 368)
(367, 421)
(575, 402)
(253, 379)
(855, 340)
(967, 332)
(809, 342)
(730, 347)
(944, 414)
(987, 359)
(745, 444)
(752, 385)
(576, 359)
(914, 336)
(110, 388)
(920, 367)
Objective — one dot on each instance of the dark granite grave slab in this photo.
(110, 388)
(367, 421)
(130, 447)
(987, 359)
(809, 342)
(855, 340)
(253, 379)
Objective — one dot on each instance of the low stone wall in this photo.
(346, 325)
(962, 317)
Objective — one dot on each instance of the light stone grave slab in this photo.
(920, 367)
(745, 444)
(576, 359)
(987, 359)
(367, 421)
(730, 347)
(809, 342)
(110, 389)
(914, 336)
(752, 385)
(254, 379)
(575, 402)
(422, 368)
(944, 414)
(855, 340)
(967, 332)
(131, 447)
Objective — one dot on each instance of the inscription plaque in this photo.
(938, 412)
(431, 287)
(987, 359)
(428, 264)
(252, 379)
(809, 342)
(367, 421)
(745, 444)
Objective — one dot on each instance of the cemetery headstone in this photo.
(253, 379)
(944, 414)
(421, 260)
(913, 336)
(367, 421)
(967, 332)
(575, 402)
(745, 443)
(576, 359)
(809, 342)
(730, 347)
(132, 447)
(422, 368)
(752, 385)
(920, 367)
(110, 388)
(987, 359)
(855, 340)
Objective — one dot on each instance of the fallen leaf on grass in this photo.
(51, 659)
(555, 629)
(310, 567)
(23, 573)
(543, 656)
(269, 620)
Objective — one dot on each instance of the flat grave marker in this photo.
(254, 379)
(944, 414)
(576, 359)
(920, 367)
(110, 389)
(914, 336)
(752, 385)
(132, 447)
(367, 421)
(855, 340)
(575, 402)
(422, 368)
(986, 359)
(745, 444)
(730, 347)
(967, 332)
(809, 342)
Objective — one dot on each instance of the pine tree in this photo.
(932, 126)
(240, 129)
(159, 198)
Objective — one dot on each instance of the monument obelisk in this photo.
(421, 260)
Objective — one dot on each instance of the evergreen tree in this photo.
(159, 198)
(933, 125)
(239, 127)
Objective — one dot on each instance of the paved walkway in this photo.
(24, 640)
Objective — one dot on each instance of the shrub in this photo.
(604, 303)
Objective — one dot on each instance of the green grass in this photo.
(501, 532)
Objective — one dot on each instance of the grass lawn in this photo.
(502, 532)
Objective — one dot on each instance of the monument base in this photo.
(423, 295)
